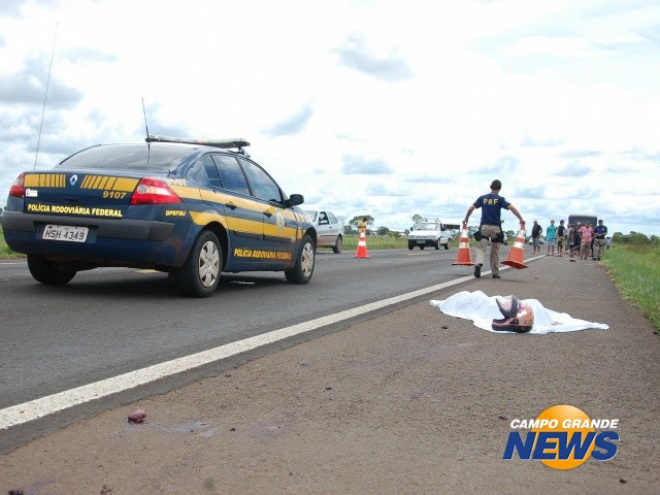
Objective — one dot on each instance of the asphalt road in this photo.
(111, 321)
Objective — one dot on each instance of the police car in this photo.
(187, 207)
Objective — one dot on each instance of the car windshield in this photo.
(312, 214)
(426, 226)
(127, 156)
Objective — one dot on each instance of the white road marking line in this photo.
(44, 406)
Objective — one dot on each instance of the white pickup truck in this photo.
(424, 234)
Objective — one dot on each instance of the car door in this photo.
(324, 229)
(244, 215)
(335, 227)
(280, 225)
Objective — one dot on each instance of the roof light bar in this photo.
(217, 143)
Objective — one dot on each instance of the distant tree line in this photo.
(636, 238)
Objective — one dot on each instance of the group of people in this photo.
(576, 239)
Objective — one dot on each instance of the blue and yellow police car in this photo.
(188, 207)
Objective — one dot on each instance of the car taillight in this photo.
(153, 192)
(17, 189)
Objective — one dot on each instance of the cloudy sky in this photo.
(383, 107)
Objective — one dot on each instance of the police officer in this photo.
(491, 226)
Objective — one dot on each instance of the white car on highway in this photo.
(329, 230)
(424, 234)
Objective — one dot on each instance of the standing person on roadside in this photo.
(490, 227)
(536, 237)
(561, 236)
(576, 242)
(600, 233)
(586, 235)
(551, 237)
(362, 224)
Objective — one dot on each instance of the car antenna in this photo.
(146, 128)
(146, 125)
(43, 110)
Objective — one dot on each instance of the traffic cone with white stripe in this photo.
(463, 257)
(516, 256)
(362, 247)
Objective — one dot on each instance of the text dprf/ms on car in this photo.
(181, 206)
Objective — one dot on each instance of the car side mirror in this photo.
(295, 200)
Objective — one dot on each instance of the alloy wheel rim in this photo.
(209, 264)
(307, 260)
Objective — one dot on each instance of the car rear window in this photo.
(127, 156)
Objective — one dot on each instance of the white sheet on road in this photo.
(482, 310)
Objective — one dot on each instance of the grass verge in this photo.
(635, 269)
(5, 252)
(376, 242)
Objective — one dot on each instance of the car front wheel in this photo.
(302, 271)
(48, 272)
(200, 274)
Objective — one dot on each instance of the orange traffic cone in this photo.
(362, 247)
(517, 253)
(463, 256)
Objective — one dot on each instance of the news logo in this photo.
(563, 437)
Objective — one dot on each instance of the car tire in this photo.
(200, 274)
(410, 246)
(302, 271)
(339, 245)
(422, 247)
(446, 245)
(49, 272)
(436, 245)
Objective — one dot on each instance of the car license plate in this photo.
(65, 233)
(421, 241)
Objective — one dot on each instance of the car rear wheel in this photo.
(302, 271)
(200, 274)
(339, 244)
(446, 245)
(437, 245)
(49, 272)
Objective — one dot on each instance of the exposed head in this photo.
(496, 185)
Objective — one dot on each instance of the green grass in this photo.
(5, 252)
(635, 269)
(383, 242)
(376, 242)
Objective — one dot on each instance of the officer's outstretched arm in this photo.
(467, 214)
(515, 211)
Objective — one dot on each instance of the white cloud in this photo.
(402, 107)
